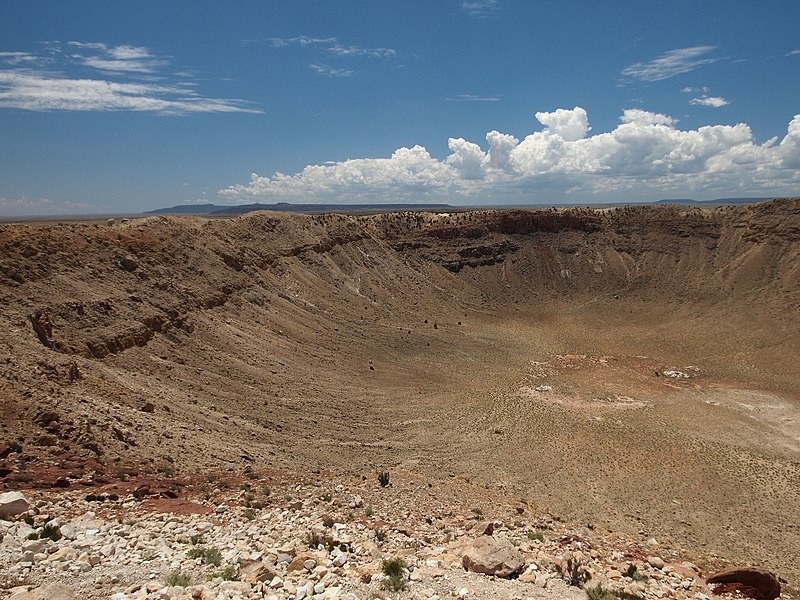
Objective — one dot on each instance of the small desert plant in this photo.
(314, 540)
(573, 572)
(327, 521)
(633, 572)
(266, 490)
(383, 478)
(50, 532)
(210, 556)
(46, 532)
(394, 571)
(380, 535)
(368, 511)
(598, 592)
(178, 579)
(196, 539)
(15, 447)
(535, 536)
(227, 574)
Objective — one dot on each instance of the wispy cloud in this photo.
(670, 64)
(329, 71)
(712, 101)
(481, 8)
(474, 98)
(18, 58)
(793, 52)
(301, 40)
(114, 82)
(117, 59)
(331, 45)
(339, 50)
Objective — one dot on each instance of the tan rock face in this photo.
(492, 556)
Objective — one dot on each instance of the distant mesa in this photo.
(227, 210)
(716, 202)
(221, 210)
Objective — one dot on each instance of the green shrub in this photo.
(227, 574)
(393, 567)
(178, 579)
(535, 536)
(383, 478)
(599, 593)
(210, 556)
(394, 572)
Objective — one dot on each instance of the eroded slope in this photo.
(525, 349)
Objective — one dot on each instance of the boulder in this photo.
(255, 571)
(12, 503)
(52, 591)
(492, 556)
(748, 581)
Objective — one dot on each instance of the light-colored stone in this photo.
(12, 503)
(492, 556)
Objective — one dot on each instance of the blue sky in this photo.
(124, 107)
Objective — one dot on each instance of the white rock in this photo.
(13, 503)
(69, 531)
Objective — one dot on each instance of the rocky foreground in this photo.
(280, 536)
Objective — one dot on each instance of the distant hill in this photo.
(716, 202)
(215, 209)
(186, 209)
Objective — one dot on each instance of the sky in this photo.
(122, 107)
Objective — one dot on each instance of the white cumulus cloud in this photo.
(712, 101)
(646, 154)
